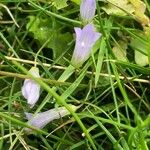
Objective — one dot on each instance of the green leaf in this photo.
(59, 4)
(59, 43)
(118, 7)
(43, 31)
(41, 28)
(100, 61)
(1, 15)
(141, 51)
(76, 1)
(140, 9)
(141, 59)
(119, 50)
(76, 83)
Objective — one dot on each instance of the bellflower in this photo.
(85, 40)
(87, 10)
(30, 89)
(40, 120)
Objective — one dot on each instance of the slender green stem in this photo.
(53, 14)
(18, 122)
(10, 47)
(60, 101)
(125, 95)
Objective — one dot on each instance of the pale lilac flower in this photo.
(85, 40)
(87, 10)
(30, 89)
(40, 120)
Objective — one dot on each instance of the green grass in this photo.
(112, 95)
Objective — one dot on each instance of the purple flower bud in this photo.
(30, 89)
(42, 119)
(85, 40)
(87, 10)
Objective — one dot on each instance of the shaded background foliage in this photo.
(115, 109)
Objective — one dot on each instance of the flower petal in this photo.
(85, 40)
(30, 89)
(42, 119)
(78, 32)
(87, 10)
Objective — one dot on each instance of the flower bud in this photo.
(40, 120)
(85, 40)
(87, 10)
(31, 89)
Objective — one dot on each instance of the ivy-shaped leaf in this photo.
(43, 30)
(40, 27)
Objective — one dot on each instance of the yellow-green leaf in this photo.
(119, 7)
(119, 50)
(139, 12)
(141, 59)
(76, 1)
(59, 4)
(141, 49)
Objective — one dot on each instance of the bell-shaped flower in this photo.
(40, 120)
(85, 40)
(87, 10)
(31, 89)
